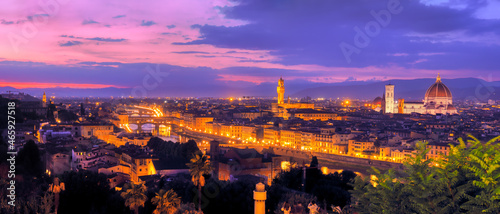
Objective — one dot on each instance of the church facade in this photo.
(438, 100)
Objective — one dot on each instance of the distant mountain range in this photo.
(463, 88)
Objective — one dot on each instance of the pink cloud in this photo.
(21, 85)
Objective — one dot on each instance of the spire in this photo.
(438, 79)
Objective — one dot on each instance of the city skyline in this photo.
(250, 106)
(225, 44)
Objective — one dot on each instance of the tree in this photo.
(466, 180)
(187, 209)
(29, 160)
(484, 162)
(46, 203)
(88, 191)
(67, 116)
(424, 189)
(134, 195)
(314, 162)
(189, 148)
(331, 188)
(379, 194)
(297, 201)
(167, 202)
(198, 166)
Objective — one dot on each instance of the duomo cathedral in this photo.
(438, 100)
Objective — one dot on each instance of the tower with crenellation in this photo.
(281, 91)
(44, 100)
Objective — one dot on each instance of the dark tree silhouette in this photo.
(28, 160)
(314, 162)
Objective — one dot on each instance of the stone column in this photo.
(259, 195)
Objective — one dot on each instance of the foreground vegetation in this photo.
(466, 181)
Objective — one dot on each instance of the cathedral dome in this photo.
(377, 101)
(438, 89)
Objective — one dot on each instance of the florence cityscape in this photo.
(250, 106)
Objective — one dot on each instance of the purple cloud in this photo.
(147, 23)
(119, 16)
(89, 21)
(70, 43)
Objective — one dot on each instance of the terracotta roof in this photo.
(438, 89)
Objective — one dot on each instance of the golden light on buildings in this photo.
(324, 170)
(285, 165)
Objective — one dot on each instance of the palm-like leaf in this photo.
(198, 166)
(167, 202)
(134, 195)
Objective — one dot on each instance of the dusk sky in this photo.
(209, 43)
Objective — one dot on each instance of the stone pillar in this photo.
(259, 195)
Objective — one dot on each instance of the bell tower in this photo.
(44, 100)
(389, 99)
(281, 91)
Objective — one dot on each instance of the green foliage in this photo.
(466, 181)
(484, 162)
(382, 196)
